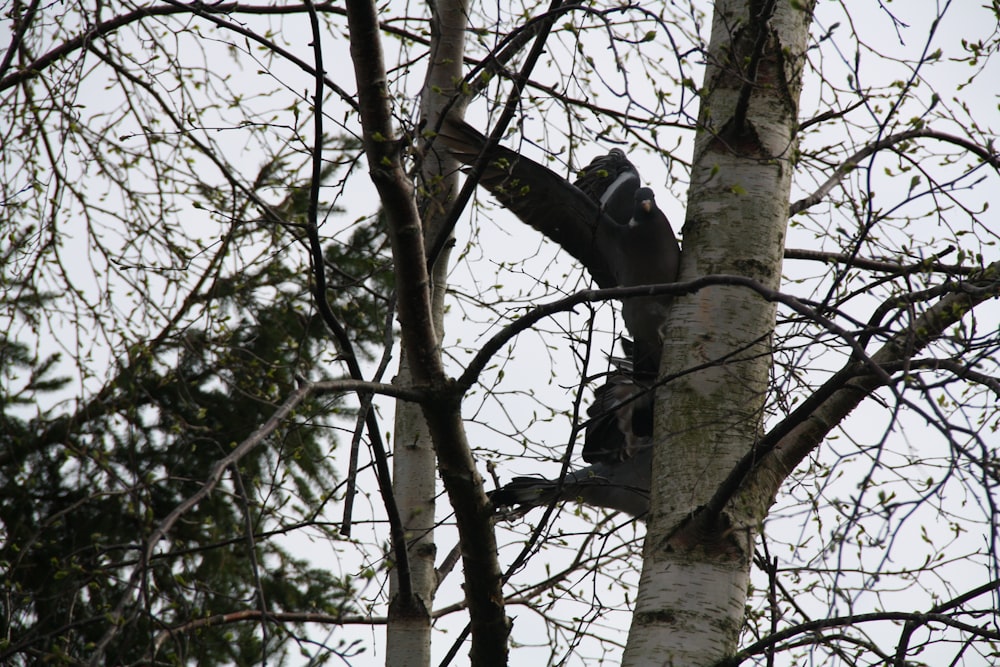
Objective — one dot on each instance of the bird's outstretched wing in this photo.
(541, 198)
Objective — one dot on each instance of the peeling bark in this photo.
(690, 604)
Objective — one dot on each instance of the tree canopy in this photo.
(253, 307)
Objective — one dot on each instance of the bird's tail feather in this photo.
(623, 487)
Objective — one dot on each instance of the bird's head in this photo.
(645, 202)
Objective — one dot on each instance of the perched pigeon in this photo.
(541, 198)
(605, 220)
(645, 252)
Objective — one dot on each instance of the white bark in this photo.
(408, 641)
(408, 634)
(690, 603)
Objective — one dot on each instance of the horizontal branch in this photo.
(535, 315)
(885, 265)
(365, 387)
(255, 615)
(959, 370)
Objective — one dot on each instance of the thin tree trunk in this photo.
(692, 591)
(408, 632)
(408, 641)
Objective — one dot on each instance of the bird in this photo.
(645, 252)
(605, 219)
(609, 222)
(544, 200)
(618, 446)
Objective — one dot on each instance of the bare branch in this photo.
(464, 487)
(532, 317)
(916, 618)
(171, 7)
(256, 615)
(162, 529)
(887, 266)
(781, 450)
(990, 158)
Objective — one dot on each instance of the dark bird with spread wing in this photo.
(612, 225)
(605, 219)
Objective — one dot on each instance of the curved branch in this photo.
(494, 344)
(104, 28)
(990, 158)
(961, 371)
(848, 621)
(162, 529)
(930, 617)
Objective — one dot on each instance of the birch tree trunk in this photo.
(693, 586)
(408, 631)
